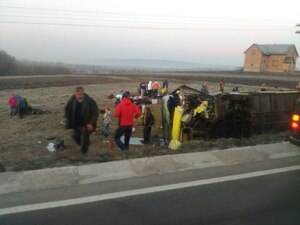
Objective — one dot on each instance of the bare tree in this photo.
(8, 64)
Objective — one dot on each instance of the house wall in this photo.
(256, 62)
(292, 53)
(253, 59)
(282, 67)
(287, 67)
(275, 63)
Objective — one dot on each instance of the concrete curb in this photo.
(92, 173)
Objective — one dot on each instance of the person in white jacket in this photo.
(149, 88)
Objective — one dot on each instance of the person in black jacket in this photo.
(81, 114)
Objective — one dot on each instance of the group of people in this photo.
(82, 114)
(151, 89)
(206, 89)
(18, 105)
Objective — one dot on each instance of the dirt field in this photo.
(23, 142)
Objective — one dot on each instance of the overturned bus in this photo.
(188, 113)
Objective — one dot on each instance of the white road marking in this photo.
(122, 194)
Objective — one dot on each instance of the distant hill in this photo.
(156, 64)
(108, 65)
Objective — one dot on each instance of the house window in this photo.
(275, 63)
(253, 51)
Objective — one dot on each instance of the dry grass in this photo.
(23, 143)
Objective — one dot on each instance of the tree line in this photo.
(9, 66)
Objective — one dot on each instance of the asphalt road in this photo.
(261, 198)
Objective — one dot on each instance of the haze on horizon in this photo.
(212, 32)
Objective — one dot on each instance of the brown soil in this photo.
(23, 144)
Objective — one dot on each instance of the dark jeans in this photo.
(155, 92)
(147, 131)
(149, 93)
(106, 129)
(21, 112)
(82, 138)
(126, 130)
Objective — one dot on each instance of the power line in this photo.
(110, 13)
(116, 14)
(110, 21)
(50, 16)
(95, 20)
(127, 27)
(131, 15)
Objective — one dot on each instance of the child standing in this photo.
(148, 122)
(222, 85)
(20, 105)
(12, 102)
(106, 121)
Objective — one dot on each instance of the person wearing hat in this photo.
(126, 111)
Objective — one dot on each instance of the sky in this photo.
(215, 32)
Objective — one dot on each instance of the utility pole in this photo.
(297, 31)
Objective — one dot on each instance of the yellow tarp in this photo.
(202, 108)
(175, 143)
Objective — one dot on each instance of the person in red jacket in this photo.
(126, 111)
(12, 102)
